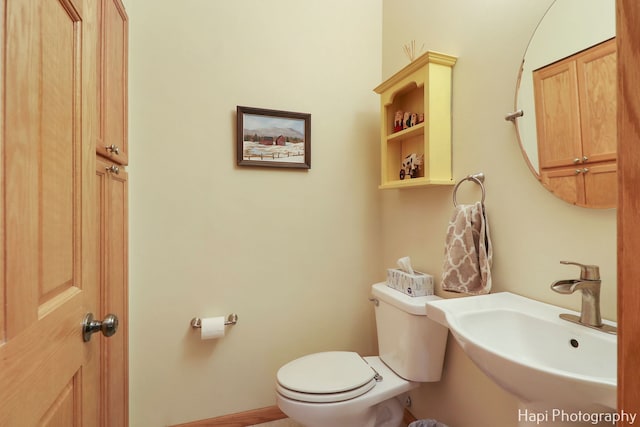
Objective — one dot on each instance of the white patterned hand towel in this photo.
(468, 253)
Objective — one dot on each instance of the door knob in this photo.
(108, 326)
(113, 169)
(113, 148)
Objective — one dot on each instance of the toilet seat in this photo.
(325, 397)
(326, 377)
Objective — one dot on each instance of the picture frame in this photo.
(273, 138)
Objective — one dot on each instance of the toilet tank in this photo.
(409, 342)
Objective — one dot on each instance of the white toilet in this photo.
(343, 389)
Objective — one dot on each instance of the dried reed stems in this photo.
(410, 50)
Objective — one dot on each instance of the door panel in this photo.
(601, 185)
(566, 183)
(39, 363)
(112, 247)
(597, 81)
(557, 112)
(49, 375)
(117, 301)
(59, 151)
(628, 35)
(61, 412)
(113, 94)
(42, 149)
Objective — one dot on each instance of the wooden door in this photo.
(566, 183)
(48, 276)
(111, 188)
(557, 114)
(113, 141)
(594, 186)
(597, 88)
(601, 185)
(628, 36)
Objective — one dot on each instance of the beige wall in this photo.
(530, 228)
(292, 252)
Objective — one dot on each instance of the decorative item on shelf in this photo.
(410, 50)
(411, 165)
(406, 120)
(397, 121)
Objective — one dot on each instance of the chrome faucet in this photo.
(589, 283)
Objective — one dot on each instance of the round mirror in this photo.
(566, 102)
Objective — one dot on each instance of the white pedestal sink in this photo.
(525, 347)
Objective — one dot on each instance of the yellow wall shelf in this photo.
(422, 87)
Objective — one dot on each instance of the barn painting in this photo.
(273, 138)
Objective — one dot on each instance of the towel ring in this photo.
(478, 178)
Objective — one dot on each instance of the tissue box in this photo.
(415, 285)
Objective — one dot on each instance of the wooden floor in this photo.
(270, 416)
(280, 423)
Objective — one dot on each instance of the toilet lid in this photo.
(326, 377)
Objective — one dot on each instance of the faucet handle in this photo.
(587, 272)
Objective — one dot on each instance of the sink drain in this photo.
(574, 343)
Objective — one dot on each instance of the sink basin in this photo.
(524, 347)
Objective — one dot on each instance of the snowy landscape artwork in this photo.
(273, 138)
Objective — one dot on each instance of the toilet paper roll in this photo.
(212, 327)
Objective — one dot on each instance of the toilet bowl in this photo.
(354, 391)
(343, 389)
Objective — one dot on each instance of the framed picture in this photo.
(273, 138)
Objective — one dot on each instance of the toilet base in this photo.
(389, 413)
(385, 414)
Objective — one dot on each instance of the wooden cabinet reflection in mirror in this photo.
(575, 101)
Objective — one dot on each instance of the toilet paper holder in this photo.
(232, 319)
